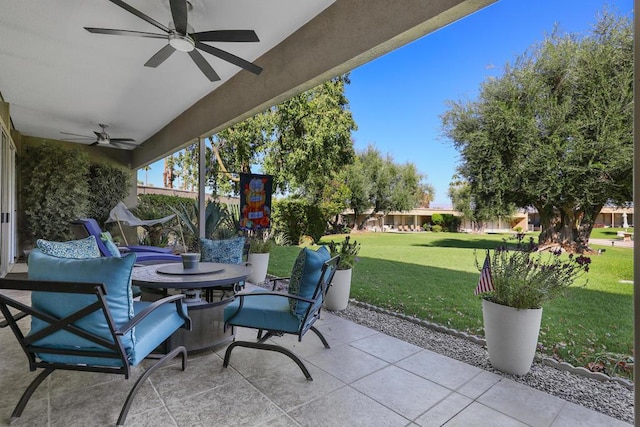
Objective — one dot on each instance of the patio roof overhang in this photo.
(57, 77)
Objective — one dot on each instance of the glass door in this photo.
(8, 228)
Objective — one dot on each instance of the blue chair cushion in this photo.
(269, 312)
(305, 276)
(155, 328)
(228, 251)
(112, 248)
(77, 249)
(115, 273)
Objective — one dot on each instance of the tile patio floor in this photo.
(365, 379)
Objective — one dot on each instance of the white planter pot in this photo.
(512, 336)
(338, 294)
(259, 264)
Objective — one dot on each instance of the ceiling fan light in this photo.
(181, 43)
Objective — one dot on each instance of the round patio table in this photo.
(207, 321)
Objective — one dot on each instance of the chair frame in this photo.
(115, 348)
(311, 315)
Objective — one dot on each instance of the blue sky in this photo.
(397, 99)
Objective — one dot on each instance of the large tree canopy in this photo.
(378, 185)
(554, 131)
(303, 142)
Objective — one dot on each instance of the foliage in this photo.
(153, 206)
(553, 132)
(348, 252)
(379, 185)
(288, 217)
(260, 242)
(215, 220)
(303, 142)
(108, 185)
(436, 228)
(54, 192)
(437, 219)
(524, 279)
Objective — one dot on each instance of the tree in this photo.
(303, 142)
(554, 132)
(476, 213)
(379, 185)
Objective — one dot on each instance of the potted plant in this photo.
(338, 294)
(259, 247)
(514, 285)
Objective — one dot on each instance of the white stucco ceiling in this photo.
(57, 77)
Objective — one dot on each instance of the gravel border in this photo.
(610, 396)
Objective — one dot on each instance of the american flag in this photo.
(485, 283)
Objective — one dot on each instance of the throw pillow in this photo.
(78, 249)
(227, 251)
(305, 276)
(111, 246)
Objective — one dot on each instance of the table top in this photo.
(223, 274)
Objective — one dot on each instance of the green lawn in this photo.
(433, 275)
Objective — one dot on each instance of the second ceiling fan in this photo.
(180, 36)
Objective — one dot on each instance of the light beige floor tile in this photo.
(345, 331)
(281, 421)
(309, 345)
(573, 415)
(346, 407)
(287, 387)
(100, 405)
(250, 362)
(202, 374)
(444, 411)
(403, 392)
(230, 404)
(529, 405)
(347, 363)
(385, 347)
(13, 384)
(159, 417)
(477, 415)
(443, 370)
(35, 414)
(479, 384)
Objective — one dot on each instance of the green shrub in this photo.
(437, 219)
(288, 217)
(436, 228)
(108, 185)
(54, 191)
(426, 226)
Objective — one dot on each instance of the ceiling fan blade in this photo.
(126, 141)
(114, 32)
(139, 14)
(179, 15)
(75, 134)
(160, 56)
(229, 58)
(226, 36)
(204, 66)
(123, 145)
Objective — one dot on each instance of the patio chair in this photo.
(84, 319)
(227, 251)
(280, 313)
(85, 227)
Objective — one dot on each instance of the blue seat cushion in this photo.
(155, 328)
(78, 249)
(269, 312)
(115, 273)
(228, 251)
(305, 276)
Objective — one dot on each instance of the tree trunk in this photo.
(568, 227)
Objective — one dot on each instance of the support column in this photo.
(201, 186)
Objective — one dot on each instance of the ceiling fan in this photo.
(103, 138)
(180, 36)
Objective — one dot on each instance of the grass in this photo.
(432, 276)
(608, 233)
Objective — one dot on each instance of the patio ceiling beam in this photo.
(345, 35)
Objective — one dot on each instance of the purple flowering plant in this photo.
(525, 277)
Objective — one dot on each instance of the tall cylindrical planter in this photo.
(338, 294)
(259, 264)
(512, 336)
